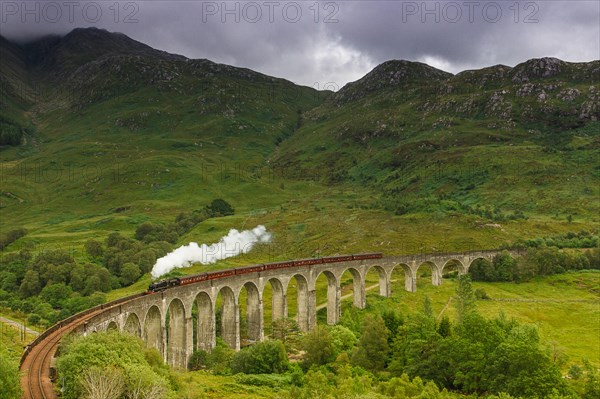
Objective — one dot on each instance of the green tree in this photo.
(77, 278)
(220, 207)
(198, 360)
(505, 266)
(130, 272)
(372, 348)
(94, 248)
(34, 318)
(145, 259)
(343, 339)
(8, 281)
(465, 298)
(53, 273)
(521, 369)
(104, 278)
(267, 357)
(319, 348)
(445, 327)
(287, 331)
(352, 318)
(219, 359)
(416, 340)
(56, 294)
(427, 308)
(146, 229)
(393, 321)
(482, 270)
(114, 239)
(30, 285)
(92, 284)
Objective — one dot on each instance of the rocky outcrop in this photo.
(390, 74)
(537, 68)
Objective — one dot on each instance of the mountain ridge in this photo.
(81, 39)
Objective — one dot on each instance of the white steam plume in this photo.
(233, 244)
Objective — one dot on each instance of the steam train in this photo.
(174, 282)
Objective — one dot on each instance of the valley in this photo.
(104, 138)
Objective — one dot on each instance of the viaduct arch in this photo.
(164, 319)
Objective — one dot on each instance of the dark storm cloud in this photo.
(318, 43)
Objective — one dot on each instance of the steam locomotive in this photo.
(174, 282)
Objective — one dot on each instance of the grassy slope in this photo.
(157, 146)
(11, 339)
(461, 142)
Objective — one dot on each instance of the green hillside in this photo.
(524, 139)
(114, 133)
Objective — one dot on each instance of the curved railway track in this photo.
(36, 368)
(36, 361)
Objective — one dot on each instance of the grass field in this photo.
(565, 308)
(204, 385)
(13, 340)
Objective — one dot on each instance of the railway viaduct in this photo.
(164, 320)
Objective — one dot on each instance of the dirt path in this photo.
(324, 305)
(18, 326)
(444, 309)
(545, 300)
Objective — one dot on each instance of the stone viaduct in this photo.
(164, 319)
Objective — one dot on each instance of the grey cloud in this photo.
(365, 34)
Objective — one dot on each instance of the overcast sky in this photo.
(330, 43)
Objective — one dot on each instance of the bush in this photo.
(372, 349)
(343, 339)
(268, 357)
(198, 360)
(145, 229)
(220, 207)
(287, 331)
(481, 294)
(11, 236)
(319, 348)
(575, 371)
(94, 248)
(34, 318)
(130, 272)
(275, 381)
(219, 359)
(104, 357)
(482, 270)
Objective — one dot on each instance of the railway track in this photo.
(36, 361)
(36, 381)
